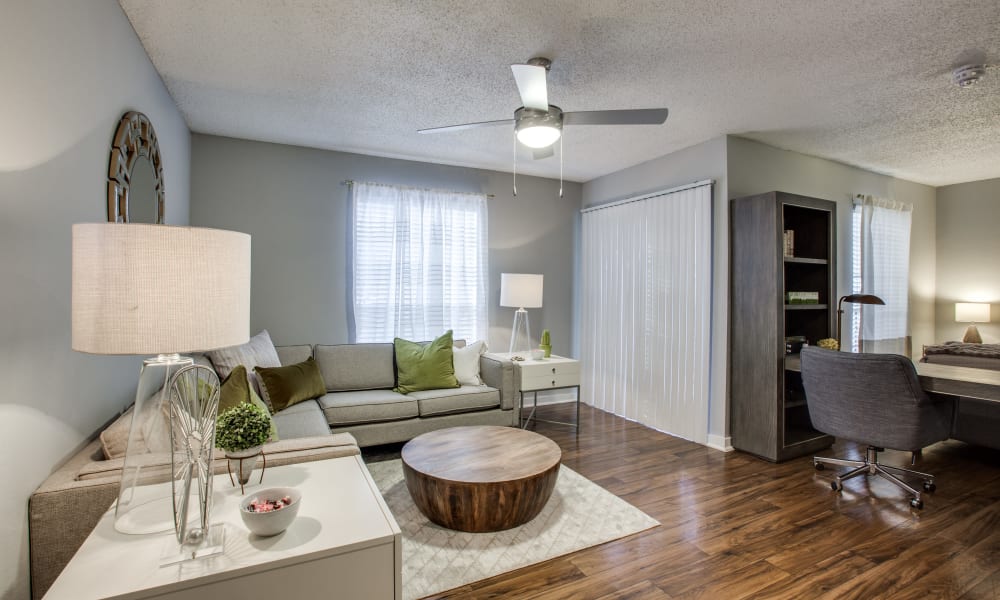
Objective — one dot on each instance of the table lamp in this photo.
(972, 313)
(854, 299)
(521, 291)
(159, 290)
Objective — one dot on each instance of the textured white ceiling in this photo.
(862, 82)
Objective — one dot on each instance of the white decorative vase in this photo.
(243, 462)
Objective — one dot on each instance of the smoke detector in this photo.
(968, 75)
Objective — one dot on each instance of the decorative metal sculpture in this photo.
(194, 403)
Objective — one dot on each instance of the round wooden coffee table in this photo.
(483, 478)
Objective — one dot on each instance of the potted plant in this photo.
(240, 432)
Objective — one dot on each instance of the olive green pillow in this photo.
(285, 386)
(424, 366)
(235, 389)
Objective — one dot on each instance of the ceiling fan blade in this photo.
(638, 116)
(531, 84)
(466, 126)
(540, 153)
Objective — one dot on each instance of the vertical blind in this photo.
(646, 309)
(419, 261)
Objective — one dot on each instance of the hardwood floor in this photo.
(734, 526)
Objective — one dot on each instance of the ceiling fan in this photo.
(538, 124)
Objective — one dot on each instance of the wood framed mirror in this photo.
(135, 173)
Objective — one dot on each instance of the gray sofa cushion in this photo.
(304, 419)
(464, 399)
(367, 406)
(357, 367)
(293, 355)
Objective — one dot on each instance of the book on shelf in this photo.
(803, 297)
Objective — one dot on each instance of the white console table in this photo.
(344, 543)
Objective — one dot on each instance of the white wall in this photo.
(968, 219)
(69, 70)
(703, 161)
(755, 168)
(291, 201)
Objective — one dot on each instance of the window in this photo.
(880, 265)
(419, 263)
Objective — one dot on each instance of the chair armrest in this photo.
(499, 373)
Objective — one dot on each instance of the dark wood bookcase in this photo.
(768, 413)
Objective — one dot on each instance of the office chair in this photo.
(875, 400)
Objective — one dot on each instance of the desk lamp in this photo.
(854, 299)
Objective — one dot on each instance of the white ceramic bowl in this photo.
(266, 524)
(537, 354)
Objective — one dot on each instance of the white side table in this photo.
(553, 373)
(344, 540)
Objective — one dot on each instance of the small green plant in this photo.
(241, 427)
(546, 339)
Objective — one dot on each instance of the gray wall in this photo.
(755, 168)
(968, 218)
(291, 201)
(703, 161)
(69, 71)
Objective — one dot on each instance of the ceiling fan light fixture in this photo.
(968, 75)
(538, 136)
(538, 129)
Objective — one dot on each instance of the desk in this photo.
(982, 384)
(344, 540)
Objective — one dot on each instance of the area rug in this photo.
(579, 514)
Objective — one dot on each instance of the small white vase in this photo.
(243, 462)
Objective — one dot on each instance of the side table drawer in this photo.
(550, 369)
(532, 382)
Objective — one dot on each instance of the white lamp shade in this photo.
(521, 290)
(156, 289)
(972, 312)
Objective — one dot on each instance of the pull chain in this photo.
(515, 165)
(560, 166)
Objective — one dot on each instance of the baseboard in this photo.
(718, 442)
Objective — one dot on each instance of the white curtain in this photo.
(419, 263)
(881, 265)
(645, 309)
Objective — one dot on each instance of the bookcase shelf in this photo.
(768, 411)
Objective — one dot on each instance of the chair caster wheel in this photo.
(836, 486)
(917, 503)
(819, 466)
(929, 486)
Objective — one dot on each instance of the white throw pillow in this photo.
(467, 363)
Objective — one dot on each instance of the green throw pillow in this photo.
(424, 366)
(236, 389)
(285, 386)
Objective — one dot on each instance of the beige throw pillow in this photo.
(258, 352)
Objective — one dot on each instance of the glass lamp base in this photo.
(520, 334)
(199, 546)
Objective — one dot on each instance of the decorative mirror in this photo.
(135, 173)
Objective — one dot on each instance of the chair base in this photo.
(871, 466)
